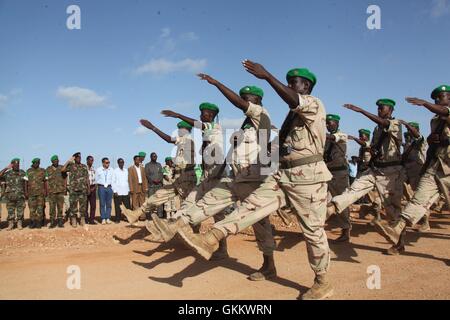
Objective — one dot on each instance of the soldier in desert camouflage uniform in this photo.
(37, 191)
(56, 189)
(15, 192)
(79, 188)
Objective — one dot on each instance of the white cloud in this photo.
(440, 8)
(12, 97)
(165, 33)
(164, 66)
(3, 101)
(139, 131)
(228, 123)
(189, 36)
(81, 97)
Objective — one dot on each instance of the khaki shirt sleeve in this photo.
(307, 108)
(254, 113)
(340, 137)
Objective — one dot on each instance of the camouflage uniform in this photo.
(302, 179)
(414, 162)
(173, 204)
(36, 192)
(15, 194)
(247, 178)
(336, 160)
(56, 191)
(387, 175)
(78, 189)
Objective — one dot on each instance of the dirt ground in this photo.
(123, 262)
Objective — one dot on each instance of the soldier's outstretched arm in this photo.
(234, 98)
(161, 134)
(173, 114)
(435, 108)
(358, 141)
(414, 132)
(64, 168)
(380, 121)
(287, 94)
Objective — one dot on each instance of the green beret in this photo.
(15, 160)
(209, 106)
(35, 160)
(414, 124)
(167, 159)
(442, 88)
(54, 157)
(334, 117)
(364, 131)
(252, 90)
(301, 72)
(387, 102)
(142, 154)
(184, 124)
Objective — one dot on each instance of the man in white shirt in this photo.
(103, 179)
(121, 189)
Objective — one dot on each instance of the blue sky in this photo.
(84, 90)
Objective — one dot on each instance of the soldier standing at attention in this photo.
(302, 179)
(79, 188)
(37, 191)
(15, 193)
(385, 172)
(57, 185)
(336, 160)
(142, 156)
(435, 177)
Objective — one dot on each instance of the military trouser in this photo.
(428, 191)
(337, 186)
(15, 205)
(152, 189)
(389, 183)
(78, 202)
(56, 203)
(310, 203)
(182, 187)
(36, 206)
(412, 170)
(222, 196)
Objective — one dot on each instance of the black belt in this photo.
(287, 164)
(341, 168)
(387, 164)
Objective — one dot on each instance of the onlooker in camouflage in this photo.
(15, 192)
(37, 191)
(57, 184)
(78, 188)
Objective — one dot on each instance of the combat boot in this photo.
(10, 225)
(267, 271)
(203, 244)
(222, 252)
(37, 224)
(52, 223)
(150, 225)
(31, 226)
(344, 237)
(168, 229)
(82, 221)
(425, 225)
(73, 221)
(320, 290)
(393, 232)
(132, 215)
(60, 223)
(19, 224)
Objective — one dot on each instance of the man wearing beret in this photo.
(184, 175)
(336, 159)
(142, 156)
(57, 185)
(302, 178)
(171, 206)
(386, 172)
(37, 191)
(79, 188)
(435, 177)
(15, 193)
(246, 165)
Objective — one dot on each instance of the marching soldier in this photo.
(37, 191)
(171, 206)
(302, 178)
(385, 171)
(2, 194)
(336, 160)
(435, 172)
(79, 188)
(57, 184)
(15, 193)
(252, 139)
